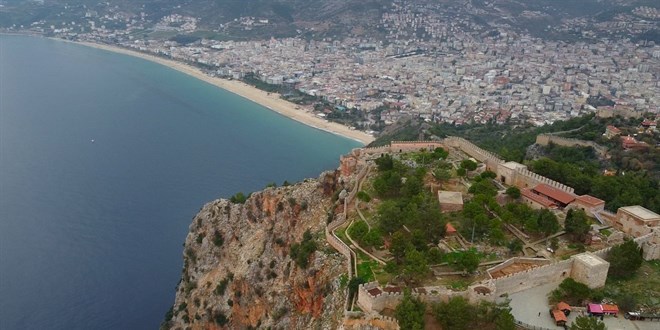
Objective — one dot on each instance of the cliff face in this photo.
(237, 270)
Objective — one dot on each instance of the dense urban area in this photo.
(429, 60)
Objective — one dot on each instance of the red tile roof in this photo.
(589, 200)
(450, 229)
(554, 193)
(613, 129)
(610, 309)
(563, 306)
(559, 316)
(537, 198)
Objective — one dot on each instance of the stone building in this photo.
(450, 201)
(636, 220)
(590, 269)
(589, 204)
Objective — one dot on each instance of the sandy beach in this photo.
(271, 101)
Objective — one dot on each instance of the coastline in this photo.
(271, 101)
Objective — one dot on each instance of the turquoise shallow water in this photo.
(91, 233)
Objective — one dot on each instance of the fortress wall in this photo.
(528, 179)
(545, 139)
(408, 146)
(534, 277)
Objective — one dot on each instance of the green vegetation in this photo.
(513, 192)
(300, 252)
(642, 288)
(410, 312)
(624, 260)
(238, 198)
(587, 323)
(577, 225)
(458, 314)
(217, 238)
(363, 196)
(221, 287)
(572, 292)
(466, 261)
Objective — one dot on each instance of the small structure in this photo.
(507, 172)
(589, 204)
(610, 309)
(450, 230)
(590, 269)
(564, 307)
(636, 220)
(559, 317)
(595, 309)
(611, 131)
(450, 201)
(629, 142)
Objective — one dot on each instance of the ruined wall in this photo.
(545, 139)
(381, 300)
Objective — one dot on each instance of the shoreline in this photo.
(270, 101)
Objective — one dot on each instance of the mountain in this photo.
(557, 19)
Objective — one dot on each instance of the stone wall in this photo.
(545, 139)
(534, 277)
(379, 299)
(490, 159)
(408, 146)
(528, 179)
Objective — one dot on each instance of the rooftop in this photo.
(641, 212)
(450, 197)
(554, 193)
(589, 200)
(514, 165)
(589, 259)
(537, 198)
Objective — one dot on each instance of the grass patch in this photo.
(606, 232)
(364, 270)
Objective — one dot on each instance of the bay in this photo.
(104, 160)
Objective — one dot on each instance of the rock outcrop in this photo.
(238, 272)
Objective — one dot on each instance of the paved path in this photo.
(526, 306)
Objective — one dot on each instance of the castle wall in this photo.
(534, 277)
(545, 139)
(411, 146)
(527, 179)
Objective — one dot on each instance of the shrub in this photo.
(363, 196)
(238, 198)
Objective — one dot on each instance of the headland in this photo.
(271, 101)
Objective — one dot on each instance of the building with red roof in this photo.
(558, 196)
(611, 131)
(559, 317)
(449, 230)
(589, 204)
(629, 142)
(610, 309)
(564, 307)
(536, 201)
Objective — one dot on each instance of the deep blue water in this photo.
(91, 233)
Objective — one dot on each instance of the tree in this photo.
(513, 192)
(410, 312)
(624, 260)
(441, 174)
(455, 314)
(577, 225)
(467, 261)
(385, 163)
(440, 153)
(547, 222)
(469, 165)
(398, 246)
(571, 291)
(515, 246)
(415, 267)
(587, 323)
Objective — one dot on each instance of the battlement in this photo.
(530, 179)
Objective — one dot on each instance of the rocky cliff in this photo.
(238, 272)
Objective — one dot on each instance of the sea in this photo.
(104, 160)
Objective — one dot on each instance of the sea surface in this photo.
(104, 160)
